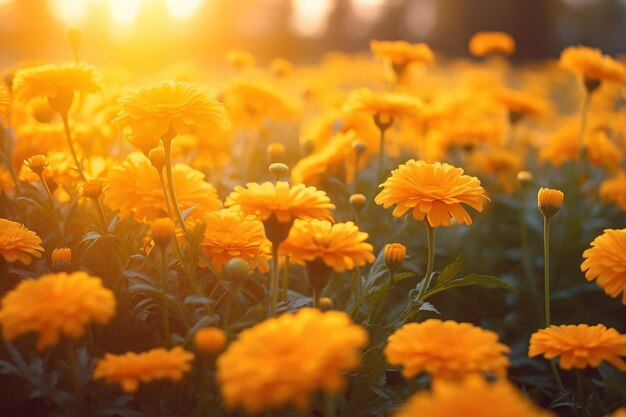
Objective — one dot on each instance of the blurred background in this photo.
(148, 33)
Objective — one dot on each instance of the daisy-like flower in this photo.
(400, 53)
(170, 108)
(341, 246)
(230, 234)
(472, 397)
(382, 104)
(57, 83)
(446, 349)
(614, 189)
(17, 243)
(337, 152)
(580, 346)
(487, 43)
(590, 64)
(283, 360)
(605, 261)
(433, 191)
(131, 369)
(520, 104)
(56, 305)
(134, 188)
(283, 201)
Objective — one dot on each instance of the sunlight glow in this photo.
(68, 11)
(310, 17)
(182, 9)
(124, 11)
(368, 10)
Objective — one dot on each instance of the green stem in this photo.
(274, 283)
(166, 311)
(68, 135)
(165, 194)
(546, 269)
(70, 356)
(581, 393)
(584, 112)
(381, 156)
(329, 404)
(55, 220)
(523, 230)
(101, 215)
(431, 260)
(167, 148)
(285, 296)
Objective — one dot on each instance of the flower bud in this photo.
(308, 147)
(549, 201)
(157, 158)
(162, 231)
(210, 340)
(524, 178)
(61, 259)
(276, 152)
(93, 188)
(37, 164)
(359, 147)
(8, 78)
(279, 170)
(236, 270)
(325, 303)
(357, 202)
(394, 255)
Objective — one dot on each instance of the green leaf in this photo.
(450, 271)
(471, 279)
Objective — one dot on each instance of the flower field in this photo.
(392, 233)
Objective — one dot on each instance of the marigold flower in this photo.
(210, 340)
(591, 64)
(170, 108)
(264, 367)
(446, 349)
(37, 164)
(281, 200)
(135, 189)
(17, 243)
(240, 59)
(230, 234)
(315, 166)
(276, 152)
(61, 258)
(131, 369)
(382, 104)
(549, 201)
(56, 305)
(605, 261)
(401, 52)
(280, 67)
(614, 189)
(162, 231)
(472, 397)
(519, 103)
(435, 191)
(580, 346)
(249, 102)
(93, 188)
(487, 43)
(340, 246)
(7, 185)
(394, 255)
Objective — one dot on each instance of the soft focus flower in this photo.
(591, 64)
(240, 59)
(283, 360)
(621, 412)
(340, 246)
(472, 397)
(249, 102)
(549, 201)
(56, 305)
(17, 243)
(162, 231)
(382, 104)
(394, 254)
(7, 185)
(93, 188)
(337, 152)
(170, 108)
(61, 258)
(446, 349)
(210, 340)
(230, 234)
(400, 53)
(605, 262)
(435, 191)
(580, 346)
(5, 105)
(281, 200)
(280, 67)
(131, 369)
(487, 43)
(520, 103)
(601, 150)
(135, 189)
(37, 164)
(614, 189)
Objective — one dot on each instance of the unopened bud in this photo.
(325, 303)
(549, 201)
(210, 340)
(394, 255)
(157, 158)
(37, 164)
(357, 201)
(93, 188)
(279, 170)
(162, 231)
(61, 259)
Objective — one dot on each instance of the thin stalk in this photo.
(285, 296)
(167, 147)
(166, 311)
(523, 230)
(68, 135)
(164, 187)
(581, 393)
(70, 357)
(274, 282)
(329, 404)
(101, 214)
(381, 155)
(316, 297)
(57, 224)
(431, 260)
(546, 269)
(584, 112)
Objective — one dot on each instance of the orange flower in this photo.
(7, 185)
(249, 102)
(131, 369)
(605, 261)
(446, 349)
(336, 152)
(591, 64)
(614, 189)
(55, 305)
(340, 246)
(382, 104)
(521, 103)
(240, 59)
(487, 43)
(17, 243)
(435, 191)
(402, 52)
(580, 346)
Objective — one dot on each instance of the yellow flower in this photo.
(400, 53)
(210, 340)
(56, 305)
(17, 243)
(446, 349)
(280, 67)
(283, 360)
(614, 189)
(230, 234)
(520, 103)
(601, 150)
(93, 188)
(471, 397)
(131, 369)
(591, 64)
(337, 152)
(435, 191)
(382, 104)
(580, 346)
(561, 146)
(240, 59)
(283, 201)
(487, 43)
(340, 246)
(135, 189)
(38, 138)
(549, 201)
(162, 231)
(170, 108)
(249, 102)
(605, 261)
(503, 163)
(7, 185)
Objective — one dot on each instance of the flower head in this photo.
(61, 259)
(240, 59)
(591, 64)
(520, 103)
(170, 108)
(549, 201)
(131, 369)
(210, 340)
(264, 367)
(402, 52)
(433, 191)
(446, 349)
(605, 261)
(487, 43)
(382, 104)
(17, 243)
(580, 346)
(249, 102)
(394, 255)
(56, 305)
(472, 397)
(614, 189)
(162, 231)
